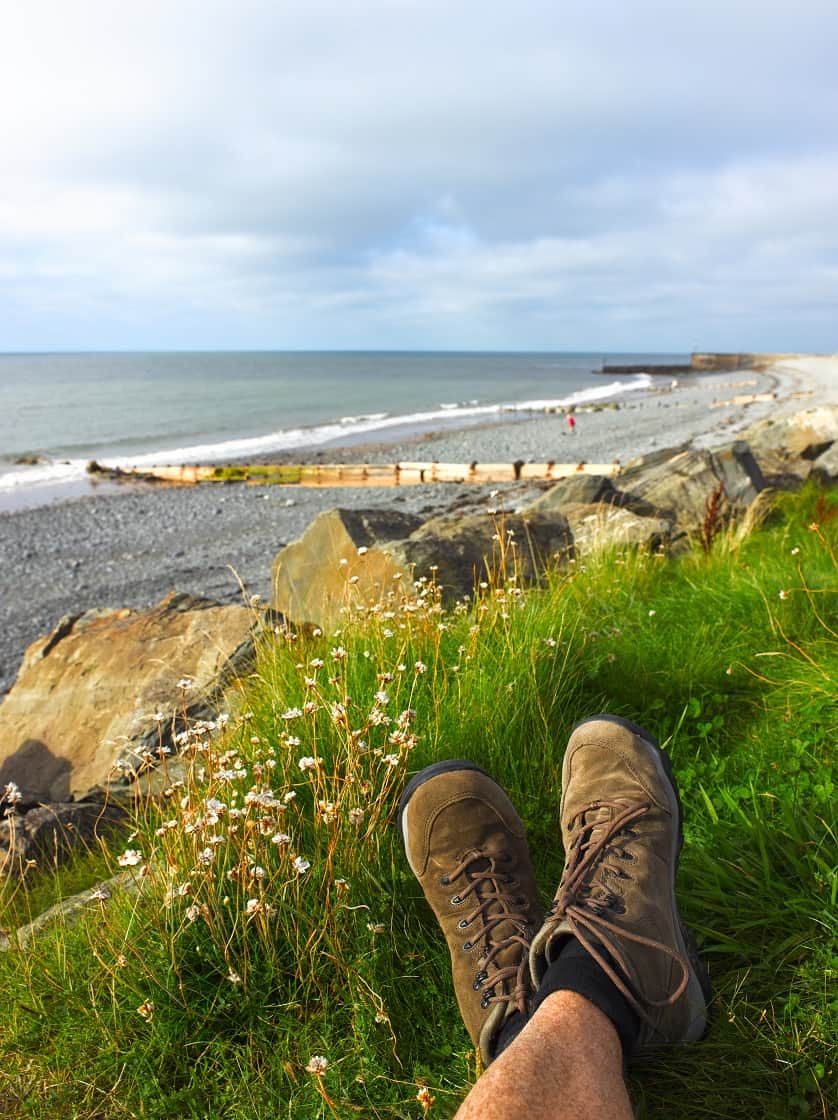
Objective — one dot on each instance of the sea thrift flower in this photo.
(146, 1010)
(292, 713)
(11, 793)
(130, 858)
(193, 912)
(280, 838)
(420, 667)
(338, 653)
(234, 977)
(301, 865)
(308, 763)
(784, 594)
(425, 1098)
(317, 1065)
(356, 816)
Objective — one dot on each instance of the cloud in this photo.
(404, 173)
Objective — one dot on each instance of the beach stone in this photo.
(599, 525)
(80, 716)
(51, 831)
(315, 577)
(678, 487)
(459, 552)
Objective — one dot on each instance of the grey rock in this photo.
(51, 832)
(825, 467)
(679, 487)
(466, 550)
(597, 526)
(70, 910)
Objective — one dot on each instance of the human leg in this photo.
(566, 1064)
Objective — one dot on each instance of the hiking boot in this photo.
(621, 827)
(467, 847)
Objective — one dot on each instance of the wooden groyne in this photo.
(358, 474)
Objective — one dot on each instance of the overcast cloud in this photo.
(608, 175)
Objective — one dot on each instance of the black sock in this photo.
(575, 970)
(510, 1030)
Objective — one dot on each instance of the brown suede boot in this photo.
(467, 847)
(621, 827)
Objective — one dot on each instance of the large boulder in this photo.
(799, 435)
(336, 563)
(597, 526)
(588, 489)
(679, 487)
(460, 552)
(825, 467)
(792, 447)
(348, 559)
(105, 691)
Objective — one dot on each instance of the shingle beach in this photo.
(130, 547)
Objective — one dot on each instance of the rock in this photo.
(51, 831)
(86, 695)
(463, 550)
(596, 526)
(317, 575)
(787, 446)
(580, 489)
(825, 467)
(678, 487)
(587, 489)
(69, 910)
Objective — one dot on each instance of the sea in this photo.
(143, 409)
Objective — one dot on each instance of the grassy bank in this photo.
(280, 920)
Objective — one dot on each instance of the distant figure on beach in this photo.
(571, 422)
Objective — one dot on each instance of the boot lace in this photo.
(597, 857)
(488, 884)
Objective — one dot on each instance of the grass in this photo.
(280, 921)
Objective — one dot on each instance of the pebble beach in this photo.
(129, 546)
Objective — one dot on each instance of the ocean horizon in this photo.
(142, 408)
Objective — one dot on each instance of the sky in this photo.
(613, 175)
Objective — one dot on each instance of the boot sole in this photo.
(687, 945)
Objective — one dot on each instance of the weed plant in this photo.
(280, 959)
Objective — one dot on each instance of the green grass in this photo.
(738, 681)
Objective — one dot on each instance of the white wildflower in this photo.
(301, 865)
(308, 763)
(11, 793)
(130, 858)
(317, 1065)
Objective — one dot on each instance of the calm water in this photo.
(126, 409)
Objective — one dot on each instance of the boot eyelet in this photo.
(484, 1002)
(468, 946)
(480, 979)
(463, 924)
(456, 900)
(444, 881)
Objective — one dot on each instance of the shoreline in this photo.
(127, 545)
